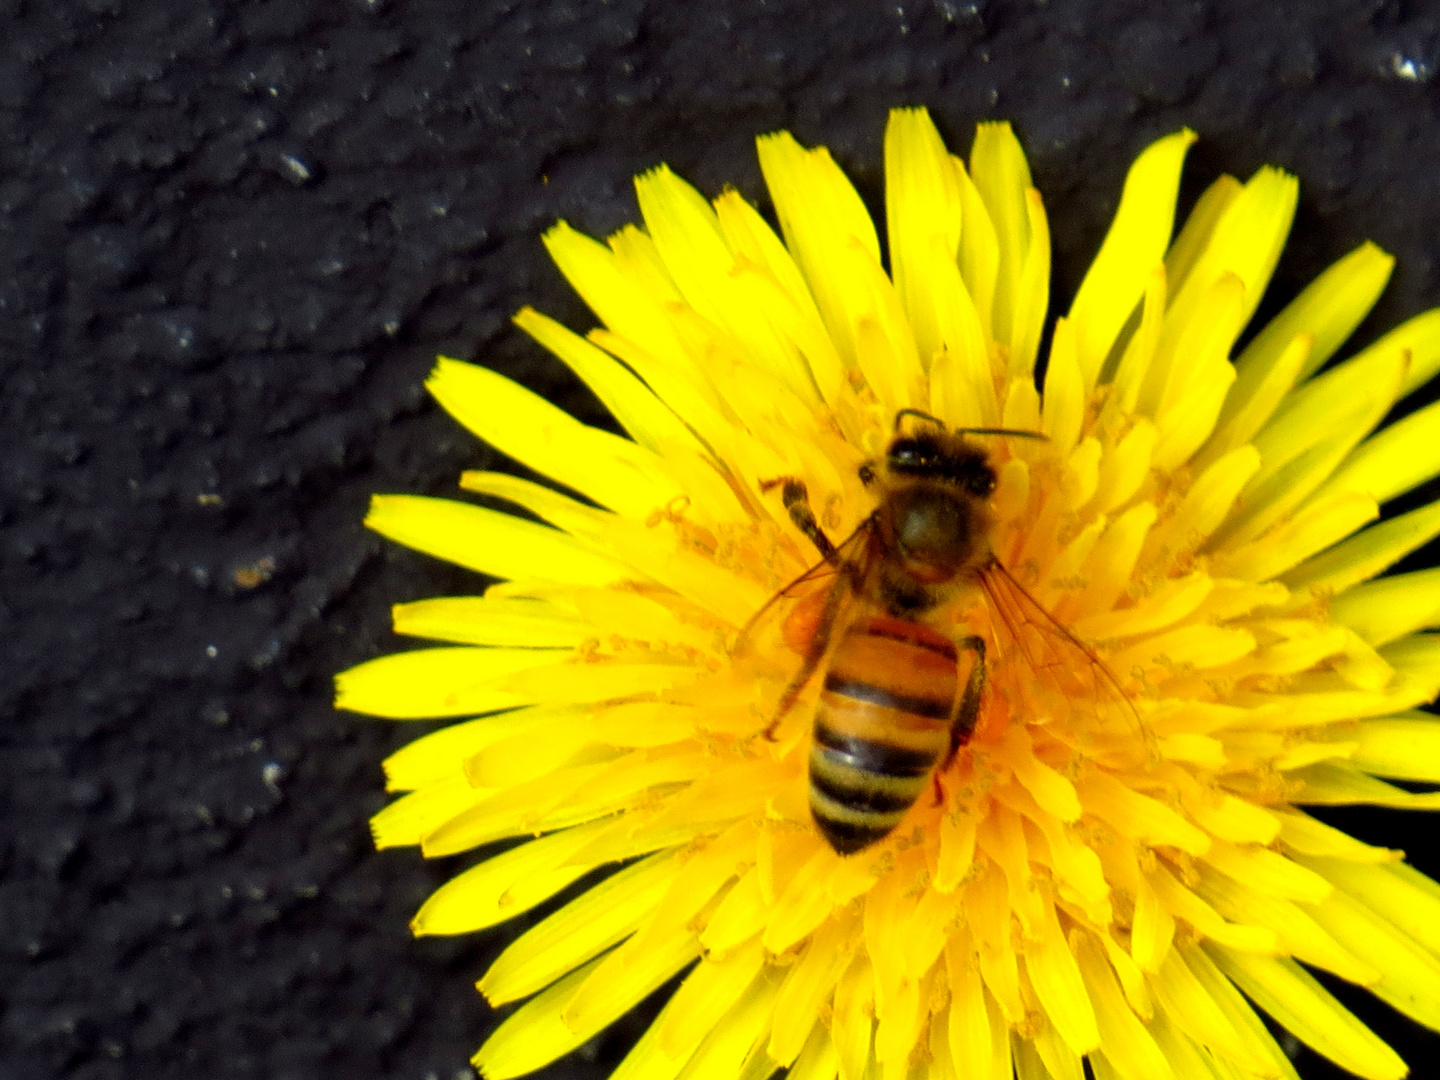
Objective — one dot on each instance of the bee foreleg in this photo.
(967, 708)
(796, 499)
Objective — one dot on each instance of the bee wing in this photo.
(785, 643)
(851, 555)
(1083, 700)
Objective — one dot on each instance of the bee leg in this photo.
(796, 499)
(967, 711)
(814, 653)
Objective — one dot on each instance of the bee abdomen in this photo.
(881, 726)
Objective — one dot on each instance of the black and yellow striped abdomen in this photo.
(882, 724)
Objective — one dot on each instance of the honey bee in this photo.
(893, 708)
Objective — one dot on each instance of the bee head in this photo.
(942, 459)
(935, 506)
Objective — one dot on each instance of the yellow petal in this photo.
(505, 886)
(1248, 408)
(979, 249)
(1055, 976)
(1112, 562)
(605, 914)
(613, 471)
(1411, 975)
(1054, 1056)
(1185, 1057)
(1002, 177)
(1053, 793)
(1204, 508)
(1196, 646)
(1266, 871)
(750, 237)
(493, 543)
(648, 419)
(1367, 553)
(740, 916)
(821, 216)
(582, 683)
(535, 1034)
(1327, 403)
(649, 548)
(1330, 784)
(627, 303)
(809, 983)
(691, 243)
(738, 1034)
(1138, 815)
(437, 682)
(1420, 337)
(1394, 891)
(885, 349)
(1135, 243)
(1238, 1011)
(1329, 309)
(922, 213)
(818, 1061)
(704, 998)
(688, 240)
(479, 620)
(1189, 1006)
(967, 1031)
(1082, 473)
(1192, 353)
(851, 1025)
(1124, 468)
(1303, 835)
(1246, 241)
(1064, 399)
(1236, 820)
(1032, 296)
(957, 850)
(1170, 602)
(570, 796)
(624, 977)
(1404, 747)
(1126, 1043)
(646, 1061)
(1391, 607)
(442, 753)
(803, 905)
(1132, 371)
(1306, 1009)
(1184, 904)
(1152, 929)
(409, 819)
(1198, 229)
(1324, 522)
(1402, 456)
(677, 382)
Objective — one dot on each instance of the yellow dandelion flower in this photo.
(1151, 621)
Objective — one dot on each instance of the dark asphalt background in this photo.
(232, 238)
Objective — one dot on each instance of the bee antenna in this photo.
(1015, 432)
(920, 415)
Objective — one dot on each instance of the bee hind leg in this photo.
(967, 708)
(814, 654)
(795, 497)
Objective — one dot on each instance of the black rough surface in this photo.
(232, 238)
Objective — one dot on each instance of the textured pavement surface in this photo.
(232, 238)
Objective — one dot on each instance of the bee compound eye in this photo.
(981, 482)
(909, 454)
